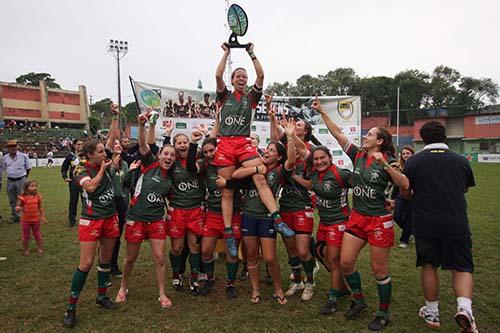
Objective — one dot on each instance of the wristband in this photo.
(386, 166)
(253, 58)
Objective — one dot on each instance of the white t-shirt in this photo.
(50, 154)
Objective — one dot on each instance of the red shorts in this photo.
(331, 234)
(214, 225)
(233, 150)
(137, 231)
(377, 230)
(301, 221)
(93, 230)
(180, 220)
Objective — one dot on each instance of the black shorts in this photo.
(256, 227)
(455, 254)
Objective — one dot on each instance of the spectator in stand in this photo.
(17, 166)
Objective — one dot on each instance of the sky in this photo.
(176, 43)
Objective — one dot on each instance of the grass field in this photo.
(34, 290)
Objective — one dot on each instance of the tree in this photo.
(444, 87)
(94, 124)
(33, 79)
(308, 86)
(414, 88)
(477, 93)
(340, 82)
(130, 112)
(378, 93)
(281, 89)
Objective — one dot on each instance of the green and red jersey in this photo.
(152, 185)
(214, 198)
(331, 187)
(99, 204)
(188, 189)
(252, 205)
(237, 111)
(371, 184)
(294, 197)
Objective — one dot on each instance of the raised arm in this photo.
(276, 130)
(332, 127)
(215, 130)
(259, 71)
(113, 128)
(291, 156)
(191, 164)
(219, 73)
(143, 145)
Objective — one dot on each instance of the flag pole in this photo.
(397, 122)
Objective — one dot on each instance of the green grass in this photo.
(34, 290)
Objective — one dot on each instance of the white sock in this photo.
(432, 306)
(464, 303)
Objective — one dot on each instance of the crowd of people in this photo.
(217, 184)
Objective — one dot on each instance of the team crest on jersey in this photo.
(374, 176)
(270, 177)
(328, 185)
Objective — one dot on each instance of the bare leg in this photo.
(430, 282)
(269, 254)
(158, 252)
(252, 251)
(128, 265)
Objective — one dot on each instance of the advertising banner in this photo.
(188, 108)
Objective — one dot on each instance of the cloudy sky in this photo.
(175, 43)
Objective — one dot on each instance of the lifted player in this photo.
(235, 146)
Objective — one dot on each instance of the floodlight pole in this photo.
(397, 122)
(118, 49)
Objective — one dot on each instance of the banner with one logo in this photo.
(189, 108)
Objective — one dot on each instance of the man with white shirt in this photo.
(439, 179)
(17, 167)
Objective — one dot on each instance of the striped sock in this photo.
(79, 278)
(103, 272)
(384, 287)
(354, 282)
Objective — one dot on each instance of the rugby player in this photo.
(375, 172)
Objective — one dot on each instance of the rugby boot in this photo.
(178, 284)
(231, 292)
(106, 303)
(378, 323)
(330, 307)
(294, 287)
(69, 320)
(355, 309)
(194, 286)
(207, 286)
(308, 292)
